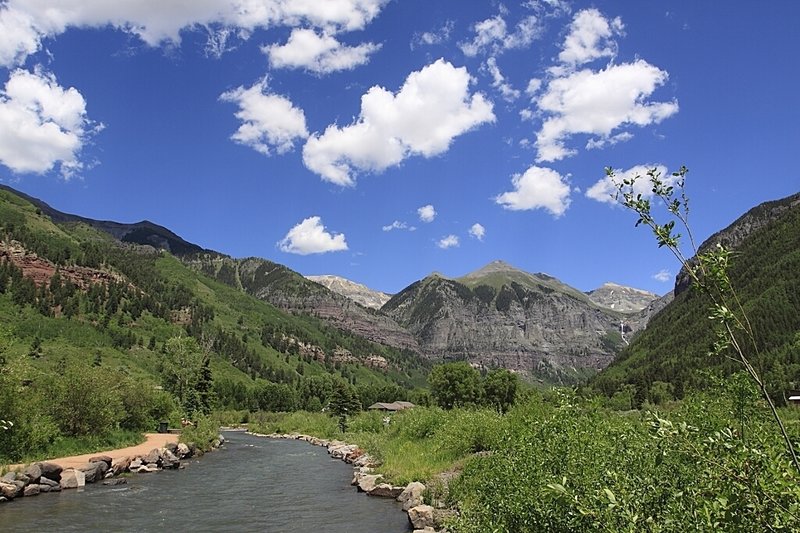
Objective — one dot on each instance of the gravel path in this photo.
(153, 440)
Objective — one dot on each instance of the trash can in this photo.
(163, 426)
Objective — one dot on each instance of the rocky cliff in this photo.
(361, 294)
(289, 291)
(502, 316)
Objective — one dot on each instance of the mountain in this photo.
(72, 288)
(765, 272)
(621, 298)
(361, 294)
(144, 232)
(500, 316)
(291, 292)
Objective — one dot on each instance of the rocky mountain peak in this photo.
(495, 267)
(357, 292)
(621, 298)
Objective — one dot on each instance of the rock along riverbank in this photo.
(44, 477)
(423, 518)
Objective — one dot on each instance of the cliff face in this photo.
(501, 316)
(289, 291)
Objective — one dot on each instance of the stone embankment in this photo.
(43, 477)
(424, 518)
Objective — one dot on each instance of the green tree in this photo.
(500, 389)
(182, 367)
(344, 403)
(455, 385)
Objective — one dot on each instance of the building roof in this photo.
(394, 406)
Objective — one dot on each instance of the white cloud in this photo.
(42, 124)
(269, 121)
(426, 213)
(492, 35)
(477, 231)
(537, 188)
(605, 190)
(310, 237)
(602, 142)
(432, 108)
(499, 82)
(398, 225)
(451, 241)
(590, 38)
(24, 23)
(534, 84)
(438, 36)
(662, 275)
(597, 103)
(318, 53)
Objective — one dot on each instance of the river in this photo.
(250, 484)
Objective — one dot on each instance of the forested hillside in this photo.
(87, 317)
(765, 272)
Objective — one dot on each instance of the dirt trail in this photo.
(153, 440)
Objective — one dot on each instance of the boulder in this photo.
(72, 479)
(153, 458)
(34, 472)
(367, 482)
(50, 470)
(31, 490)
(121, 465)
(116, 481)
(384, 490)
(45, 482)
(411, 495)
(172, 446)
(91, 472)
(9, 477)
(101, 459)
(102, 469)
(421, 516)
(169, 460)
(45, 488)
(425, 530)
(135, 464)
(8, 490)
(183, 451)
(3, 499)
(148, 468)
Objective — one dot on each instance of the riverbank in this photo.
(160, 451)
(424, 518)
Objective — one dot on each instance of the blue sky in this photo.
(384, 140)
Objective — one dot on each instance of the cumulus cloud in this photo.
(597, 103)
(398, 225)
(477, 231)
(602, 142)
(450, 241)
(24, 23)
(590, 38)
(42, 125)
(433, 107)
(499, 82)
(492, 35)
(662, 275)
(269, 122)
(310, 237)
(317, 52)
(537, 188)
(605, 191)
(426, 213)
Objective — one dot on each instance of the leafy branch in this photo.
(707, 269)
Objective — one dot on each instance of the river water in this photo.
(250, 484)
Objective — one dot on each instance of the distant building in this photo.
(793, 398)
(391, 407)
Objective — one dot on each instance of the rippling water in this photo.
(250, 484)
